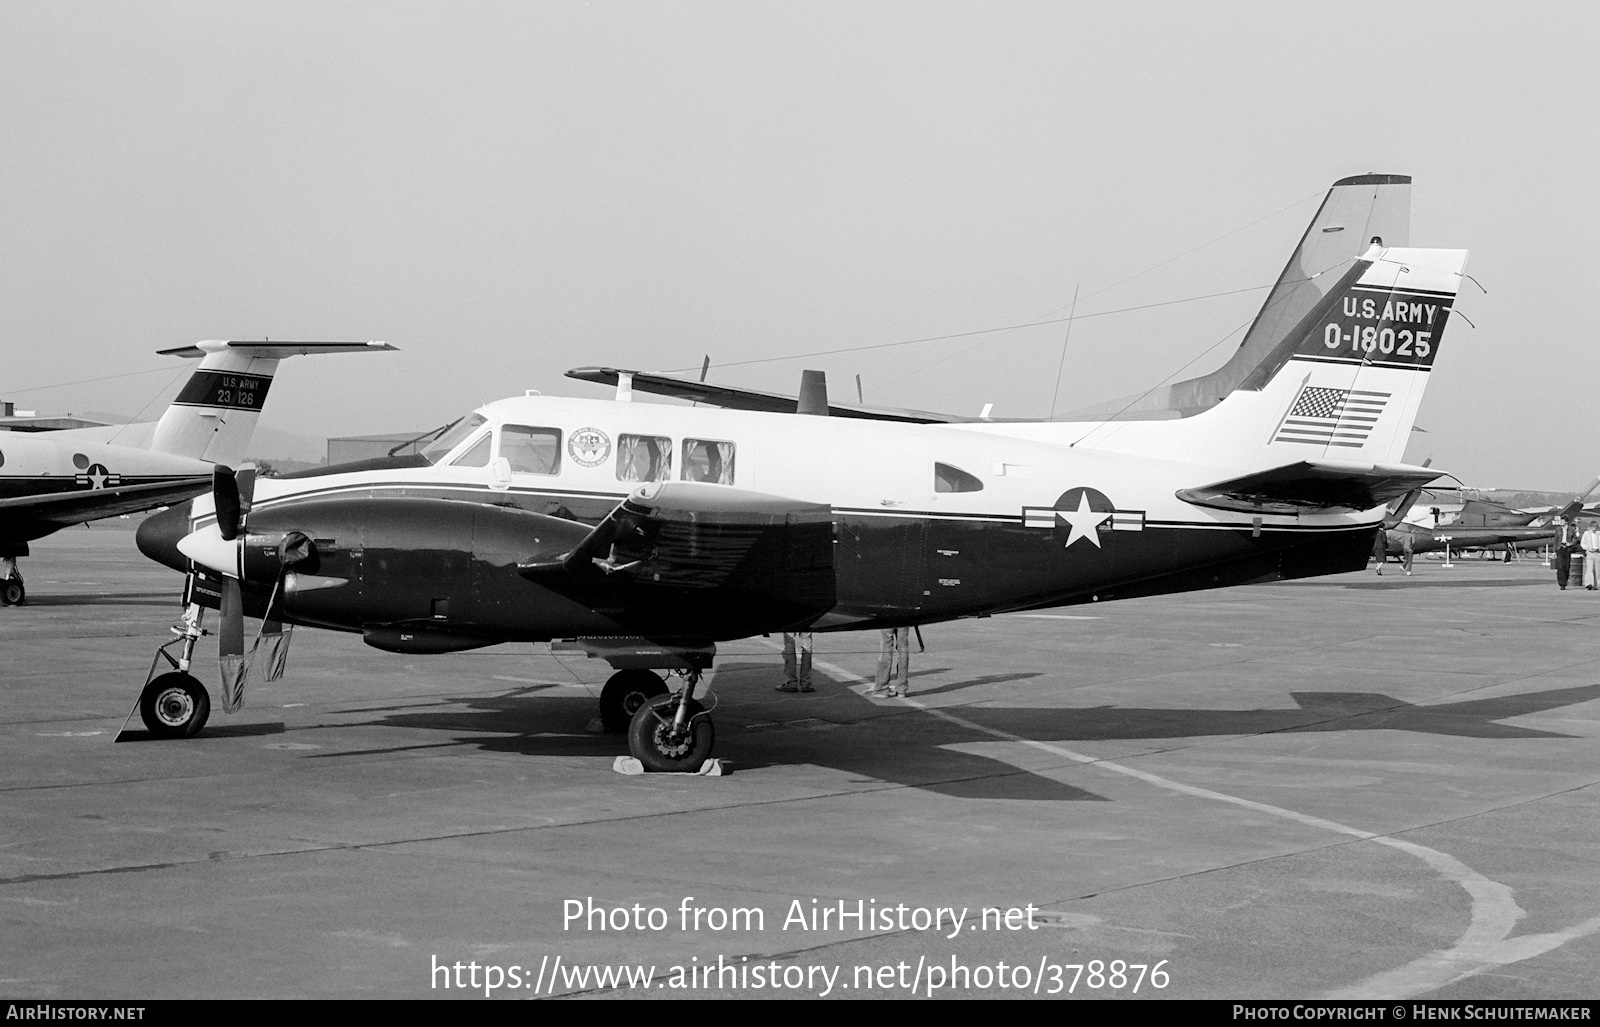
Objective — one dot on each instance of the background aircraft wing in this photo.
(746, 399)
(1311, 485)
(67, 508)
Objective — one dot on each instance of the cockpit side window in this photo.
(531, 450)
(947, 478)
(477, 456)
(452, 437)
(644, 458)
(708, 460)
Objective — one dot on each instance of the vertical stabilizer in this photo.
(1356, 214)
(215, 414)
(1345, 384)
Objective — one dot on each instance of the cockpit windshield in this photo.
(451, 436)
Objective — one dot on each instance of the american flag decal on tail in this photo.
(1332, 417)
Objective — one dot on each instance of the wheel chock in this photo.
(631, 766)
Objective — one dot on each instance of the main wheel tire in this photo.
(12, 593)
(175, 705)
(625, 692)
(651, 739)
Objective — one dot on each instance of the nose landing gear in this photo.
(175, 704)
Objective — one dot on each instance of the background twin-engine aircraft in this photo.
(646, 533)
(52, 480)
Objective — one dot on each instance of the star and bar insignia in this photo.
(1082, 513)
(97, 477)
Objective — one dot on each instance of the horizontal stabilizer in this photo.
(271, 350)
(1312, 486)
(732, 398)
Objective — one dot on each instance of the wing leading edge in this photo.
(67, 508)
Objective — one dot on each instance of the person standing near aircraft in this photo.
(1407, 548)
(1380, 548)
(894, 664)
(796, 677)
(1566, 542)
(1591, 556)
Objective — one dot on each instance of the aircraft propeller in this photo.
(227, 549)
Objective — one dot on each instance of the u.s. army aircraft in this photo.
(52, 480)
(647, 533)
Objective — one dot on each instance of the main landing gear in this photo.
(672, 733)
(667, 731)
(176, 704)
(12, 590)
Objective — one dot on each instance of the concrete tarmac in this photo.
(1355, 786)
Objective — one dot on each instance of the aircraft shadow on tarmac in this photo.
(163, 598)
(894, 743)
(1399, 582)
(216, 730)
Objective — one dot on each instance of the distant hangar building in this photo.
(368, 447)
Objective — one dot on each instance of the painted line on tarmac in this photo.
(1494, 911)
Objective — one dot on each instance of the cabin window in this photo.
(644, 458)
(531, 450)
(953, 479)
(477, 456)
(708, 460)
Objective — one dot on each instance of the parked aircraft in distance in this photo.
(54, 479)
(647, 533)
(1485, 525)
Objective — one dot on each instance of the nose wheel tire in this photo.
(625, 692)
(654, 742)
(12, 593)
(175, 705)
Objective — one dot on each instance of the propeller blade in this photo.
(275, 642)
(230, 646)
(273, 635)
(225, 495)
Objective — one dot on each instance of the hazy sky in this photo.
(506, 190)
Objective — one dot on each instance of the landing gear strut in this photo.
(672, 733)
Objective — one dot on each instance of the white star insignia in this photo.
(1084, 521)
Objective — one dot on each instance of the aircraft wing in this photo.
(746, 399)
(67, 508)
(691, 551)
(1311, 486)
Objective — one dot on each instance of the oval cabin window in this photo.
(953, 479)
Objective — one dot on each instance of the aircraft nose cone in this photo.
(159, 533)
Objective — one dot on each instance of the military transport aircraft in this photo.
(51, 480)
(647, 533)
